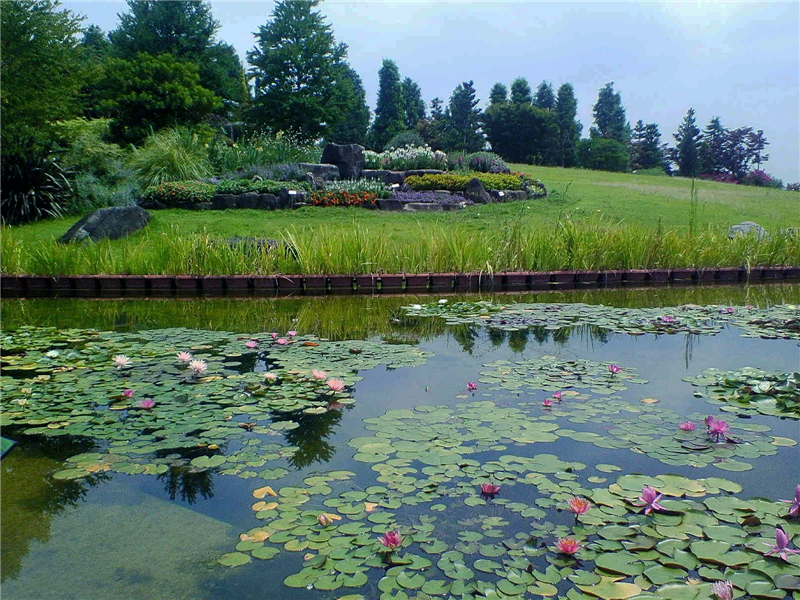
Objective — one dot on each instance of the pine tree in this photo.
(566, 110)
(295, 63)
(609, 116)
(521, 91)
(389, 112)
(464, 119)
(545, 98)
(686, 153)
(498, 93)
(351, 125)
(756, 143)
(646, 151)
(711, 153)
(413, 104)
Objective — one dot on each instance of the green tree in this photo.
(152, 92)
(464, 119)
(350, 125)
(601, 154)
(296, 62)
(569, 127)
(521, 132)
(95, 50)
(646, 151)
(711, 147)
(413, 104)
(389, 112)
(545, 97)
(521, 91)
(42, 68)
(434, 128)
(686, 154)
(498, 93)
(609, 116)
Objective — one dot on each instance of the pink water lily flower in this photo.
(335, 385)
(198, 367)
(614, 369)
(557, 395)
(717, 428)
(121, 361)
(722, 590)
(282, 341)
(270, 376)
(780, 546)
(578, 506)
(667, 319)
(794, 509)
(391, 540)
(649, 500)
(490, 489)
(274, 335)
(688, 426)
(568, 546)
(317, 374)
(291, 333)
(128, 393)
(251, 344)
(184, 357)
(335, 405)
(547, 403)
(147, 403)
(472, 386)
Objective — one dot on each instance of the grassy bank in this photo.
(591, 220)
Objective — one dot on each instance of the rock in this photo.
(257, 244)
(248, 200)
(152, 204)
(267, 201)
(107, 223)
(316, 183)
(476, 193)
(392, 177)
(508, 195)
(499, 169)
(223, 201)
(349, 158)
(288, 198)
(325, 172)
(389, 204)
(447, 192)
(423, 207)
(374, 174)
(422, 172)
(453, 206)
(746, 228)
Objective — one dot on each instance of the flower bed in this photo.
(177, 192)
(405, 159)
(340, 198)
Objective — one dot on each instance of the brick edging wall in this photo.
(88, 286)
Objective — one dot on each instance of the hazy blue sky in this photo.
(740, 61)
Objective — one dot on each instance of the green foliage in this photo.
(609, 116)
(348, 116)
(463, 119)
(646, 151)
(655, 171)
(413, 104)
(242, 186)
(176, 154)
(458, 183)
(85, 148)
(600, 154)
(482, 162)
(34, 186)
(403, 139)
(498, 93)
(403, 159)
(91, 192)
(521, 91)
(42, 68)
(151, 93)
(295, 63)
(390, 111)
(545, 97)
(259, 150)
(434, 129)
(358, 186)
(569, 127)
(522, 133)
(687, 152)
(175, 192)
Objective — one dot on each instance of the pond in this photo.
(518, 446)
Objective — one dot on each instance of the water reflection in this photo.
(185, 483)
(311, 437)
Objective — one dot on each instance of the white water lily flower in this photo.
(442, 301)
(52, 354)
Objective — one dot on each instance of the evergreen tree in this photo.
(522, 133)
(413, 104)
(464, 119)
(686, 154)
(389, 112)
(756, 143)
(609, 116)
(349, 127)
(569, 127)
(646, 151)
(433, 130)
(95, 50)
(295, 63)
(545, 98)
(521, 91)
(711, 147)
(498, 93)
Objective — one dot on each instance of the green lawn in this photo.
(590, 220)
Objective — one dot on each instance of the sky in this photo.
(739, 61)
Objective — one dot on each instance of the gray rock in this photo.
(326, 172)
(448, 192)
(389, 204)
(223, 201)
(349, 158)
(392, 177)
(476, 193)
(746, 228)
(248, 200)
(251, 245)
(316, 183)
(508, 195)
(421, 172)
(453, 206)
(423, 207)
(268, 201)
(499, 169)
(107, 223)
(374, 174)
(288, 198)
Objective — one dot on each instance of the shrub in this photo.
(482, 162)
(279, 172)
(85, 148)
(602, 154)
(793, 187)
(176, 154)
(403, 159)
(91, 193)
(761, 178)
(340, 198)
(33, 186)
(180, 191)
(242, 186)
(719, 177)
(458, 182)
(403, 139)
(259, 150)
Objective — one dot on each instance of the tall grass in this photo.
(428, 248)
(259, 150)
(176, 154)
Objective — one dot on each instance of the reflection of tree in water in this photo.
(465, 336)
(497, 337)
(561, 336)
(310, 437)
(30, 498)
(517, 340)
(184, 482)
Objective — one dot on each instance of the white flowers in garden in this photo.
(409, 157)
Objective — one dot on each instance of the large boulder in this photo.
(746, 228)
(475, 192)
(107, 223)
(423, 172)
(349, 158)
(326, 172)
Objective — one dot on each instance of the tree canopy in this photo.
(390, 110)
